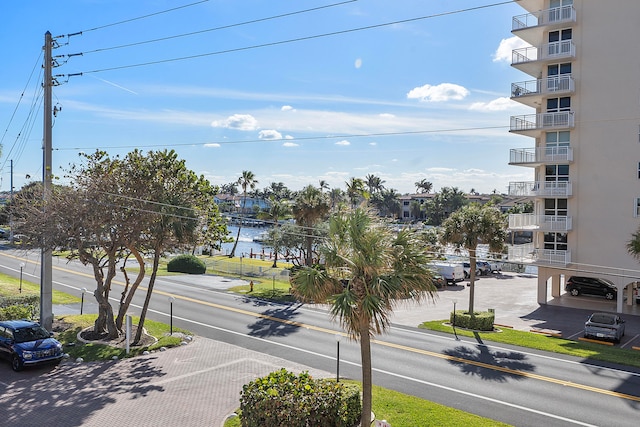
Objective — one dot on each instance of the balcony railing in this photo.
(552, 256)
(532, 221)
(557, 15)
(541, 189)
(562, 83)
(533, 156)
(521, 253)
(529, 122)
(555, 50)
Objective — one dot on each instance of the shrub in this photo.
(480, 321)
(187, 264)
(282, 399)
(20, 307)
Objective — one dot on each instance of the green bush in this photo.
(282, 399)
(480, 321)
(187, 264)
(20, 307)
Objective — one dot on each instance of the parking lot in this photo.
(513, 296)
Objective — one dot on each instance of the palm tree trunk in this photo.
(147, 299)
(367, 383)
(235, 244)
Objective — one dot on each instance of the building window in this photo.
(638, 170)
(555, 207)
(555, 241)
(556, 173)
(559, 104)
(637, 212)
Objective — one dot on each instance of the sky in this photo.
(294, 91)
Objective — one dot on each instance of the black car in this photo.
(27, 343)
(577, 285)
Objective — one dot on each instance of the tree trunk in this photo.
(126, 302)
(235, 244)
(365, 356)
(472, 279)
(309, 254)
(145, 307)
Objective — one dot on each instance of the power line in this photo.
(294, 40)
(224, 27)
(137, 19)
(309, 138)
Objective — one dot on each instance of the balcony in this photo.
(532, 221)
(532, 26)
(534, 124)
(531, 92)
(531, 59)
(551, 257)
(540, 156)
(531, 5)
(521, 253)
(541, 189)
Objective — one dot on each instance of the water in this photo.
(246, 245)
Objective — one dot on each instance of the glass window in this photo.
(555, 105)
(555, 207)
(637, 212)
(555, 241)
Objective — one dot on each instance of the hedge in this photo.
(480, 321)
(186, 264)
(19, 307)
(282, 399)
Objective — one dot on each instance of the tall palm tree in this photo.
(374, 183)
(310, 206)
(336, 196)
(355, 190)
(369, 270)
(471, 225)
(247, 180)
(423, 186)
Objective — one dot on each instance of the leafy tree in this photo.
(470, 226)
(277, 211)
(247, 180)
(368, 271)
(310, 207)
(387, 202)
(447, 201)
(324, 185)
(230, 188)
(415, 209)
(336, 196)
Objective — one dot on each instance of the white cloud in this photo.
(504, 51)
(499, 104)
(289, 137)
(343, 142)
(287, 108)
(439, 93)
(269, 134)
(213, 145)
(290, 144)
(387, 116)
(237, 121)
(373, 143)
(358, 63)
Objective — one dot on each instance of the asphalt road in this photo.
(513, 385)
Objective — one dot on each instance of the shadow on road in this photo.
(489, 365)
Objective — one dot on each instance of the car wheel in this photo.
(575, 292)
(16, 363)
(609, 295)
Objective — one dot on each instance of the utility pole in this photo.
(46, 264)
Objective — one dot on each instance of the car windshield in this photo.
(31, 333)
(602, 318)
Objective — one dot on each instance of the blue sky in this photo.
(419, 99)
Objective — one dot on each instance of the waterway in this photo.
(246, 244)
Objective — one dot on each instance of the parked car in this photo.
(577, 285)
(484, 267)
(467, 270)
(496, 266)
(27, 343)
(604, 325)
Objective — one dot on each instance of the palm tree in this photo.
(355, 190)
(324, 185)
(374, 183)
(310, 206)
(369, 270)
(336, 196)
(247, 180)
(471, 225)
(423, 186)
(277, 211)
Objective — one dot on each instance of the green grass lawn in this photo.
(10, 286)
(553, 344)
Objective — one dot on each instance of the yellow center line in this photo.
(379, 342)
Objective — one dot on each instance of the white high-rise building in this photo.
(583, 86)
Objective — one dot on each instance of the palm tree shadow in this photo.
(498, 366)
(276, 322)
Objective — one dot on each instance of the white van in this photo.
(452, 272)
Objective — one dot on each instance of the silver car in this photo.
(604, 325)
